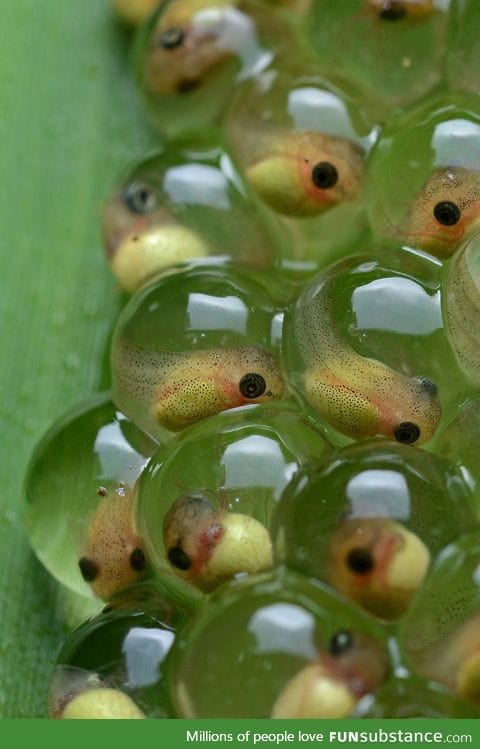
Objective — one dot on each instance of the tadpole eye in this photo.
(340, 642)
(447, 213)
(360, 561)
(428, 385)
(88, 569)
(139, 198)
(137, 560)
(179, 558)
(406, 432)
(252, 385)
(324, 175)
(171, 38)
(392, 10)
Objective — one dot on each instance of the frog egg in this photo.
(204, 506)
(413, 697)
(301, 142)
(393, 49)
(371, 520)
(191, 54)
(462, 62)
(365, 350)
(133, 12)
(177, 206)
(78, 498)
(423, 185)
(460, 441)
(294, 650)
(441, 634)
(195, 342)
(462, 308)
(112, 666)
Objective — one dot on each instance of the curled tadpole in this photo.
(455, 660)
(112, 557)
(191, 39)
(304, 173)
(206, 545)
(179, 389)
(353, 665)
(377, 563)
(444, 212)
(359, 396)
(399, 10)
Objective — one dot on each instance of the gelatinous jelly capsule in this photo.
(78, 498)
(395, 47)
(370, 521)
(206, 545)
(460, 440)
(134, 12)
(441, 633)
(190, 55)
(413, 697)
(462, 308)
(462, 54)
(196, 342)
(301, 651)
(112, 666)
(204, 505)
(177, 206)
(301, 142)
(431, 197)
(358, 395)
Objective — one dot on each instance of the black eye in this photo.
(340, 642)
(171, 38)
(324, 175)
(360, 561)
(139, 198)
(447, 213)
(252, 385)
(428, 385)
(179, 558)
(88, 568)
(392, 10)
(406, 432)
(137, 560)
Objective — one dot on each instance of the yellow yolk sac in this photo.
(397, 10)
(112, 557)
(206, 545)
(377, 563)
(178, 389)
(359, 396)
(133, 12)
(189, 41)
(141, 255)
(352, 667)
(445, 212)
(100, 704)
(305, 173)
(462, 306)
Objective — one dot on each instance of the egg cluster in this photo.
(283, 483)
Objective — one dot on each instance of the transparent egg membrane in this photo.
(393, 49)
(370, 522)
(204, 505)
(178, 206)
(423, 184)
(190, 56)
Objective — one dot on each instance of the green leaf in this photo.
(70, 123)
